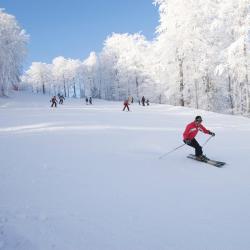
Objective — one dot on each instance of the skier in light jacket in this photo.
(189, 136)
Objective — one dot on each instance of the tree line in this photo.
(199, 58)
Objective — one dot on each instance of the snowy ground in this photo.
(88, 178)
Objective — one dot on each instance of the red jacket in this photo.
(125, 102)
(192, 130)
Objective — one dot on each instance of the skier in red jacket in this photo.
(190, 133)
(126, 103)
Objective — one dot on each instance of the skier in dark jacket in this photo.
(53, 101)
(87, 100)
(61, 98)
(90, 100)
(190, 133)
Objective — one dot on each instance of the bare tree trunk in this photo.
(137, 87)
(180, 60)
(208, 90)
(100, 89)
(43, 87)
(74, 90)
(74, 87)
(160, 98)
(247, 80)
(81, 91)
(64, 88)
(230, 94)
(196, 94)
(241, 99)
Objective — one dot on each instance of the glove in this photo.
(187, 141)
(211, 133)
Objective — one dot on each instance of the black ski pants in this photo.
(53, 104)
(194, 144)
(126, 106)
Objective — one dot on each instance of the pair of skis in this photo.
(215, 163)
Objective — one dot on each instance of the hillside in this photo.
(88, 177)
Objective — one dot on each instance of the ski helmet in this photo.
(198, 118)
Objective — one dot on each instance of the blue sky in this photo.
(74, 28)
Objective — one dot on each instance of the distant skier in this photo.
(87, 100)
(190, 133)
(53, 101)
(143, 101)
(130, 99)
(126, 103)
(147, 102)
(90, 100)
(61, 98)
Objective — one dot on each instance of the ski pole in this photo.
(207, 141)
(171, 151)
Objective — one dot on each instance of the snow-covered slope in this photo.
(88, 178)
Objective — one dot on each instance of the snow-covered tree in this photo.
(124, 66)
(39, 76)
(193, 42)
(13, 42)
